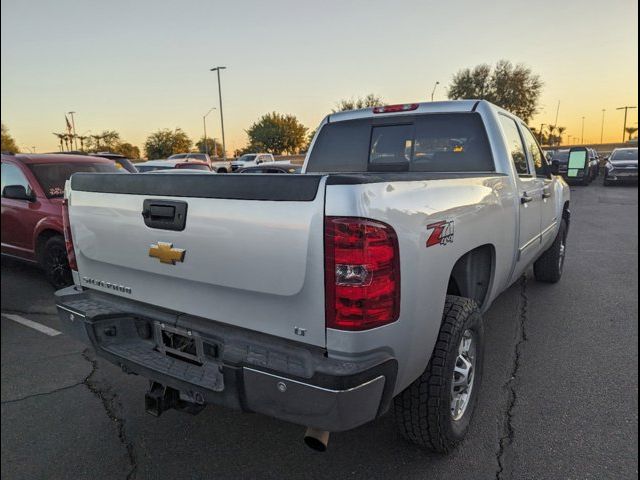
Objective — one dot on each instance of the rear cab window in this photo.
(438, 142)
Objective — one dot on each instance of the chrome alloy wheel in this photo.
(561, 254)
(463, 375)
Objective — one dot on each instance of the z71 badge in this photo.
(442, 233)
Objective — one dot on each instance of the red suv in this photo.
(32, 193)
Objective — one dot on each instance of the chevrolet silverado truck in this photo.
(405, 225)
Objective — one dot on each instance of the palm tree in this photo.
(61, 138)
(631, 131)
(82, 138)
(561, 130)
(97, 139)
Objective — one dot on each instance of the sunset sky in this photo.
(138, 66)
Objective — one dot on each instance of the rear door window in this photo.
(515, 146)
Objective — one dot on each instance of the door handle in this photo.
(546, 193)
(525, 198)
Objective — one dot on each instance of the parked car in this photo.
(621, 166)
(577, 168)
(251, 160)
(218, 166)
(174, 164)
(407, 222)
(273, 167)
(32, 223)
(120, 160)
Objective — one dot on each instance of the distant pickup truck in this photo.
(219, 166)
(407, 222)
(251, 160)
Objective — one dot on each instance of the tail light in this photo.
(407, 107)
(68, 240)
(362, 273)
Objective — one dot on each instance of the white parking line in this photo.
(31, 324)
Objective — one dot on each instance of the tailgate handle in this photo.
(164, 214)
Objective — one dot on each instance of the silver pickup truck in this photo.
(322, 298)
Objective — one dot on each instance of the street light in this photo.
(624, 128)
(224, 146)
(204, 122)
(602, 127)
(434, 90)
(582, 134)
(73, 125)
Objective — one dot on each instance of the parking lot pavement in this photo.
(558, 400)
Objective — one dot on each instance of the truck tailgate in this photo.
(250, 253)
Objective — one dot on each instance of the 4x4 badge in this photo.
(442, 233)
(165, 252)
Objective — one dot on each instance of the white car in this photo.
(251, 160)
(355, 285)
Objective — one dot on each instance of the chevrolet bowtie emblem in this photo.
(165, 252)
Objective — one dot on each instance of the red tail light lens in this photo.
(407, 107)
(68, 240)
(362, 273)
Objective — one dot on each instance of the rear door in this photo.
(249, 253)
(529, 193)
(548, 207)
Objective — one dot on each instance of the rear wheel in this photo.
(436, 409)
(54, 262)
(549, 267)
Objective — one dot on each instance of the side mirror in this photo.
(548, 156)
(578, 158)
(18, 192)
(554, 168)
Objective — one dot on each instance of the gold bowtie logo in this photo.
(165, 252)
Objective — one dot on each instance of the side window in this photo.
(537, 155)
(514, 144)
(11, 175)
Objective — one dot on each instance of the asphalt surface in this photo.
(559, 397)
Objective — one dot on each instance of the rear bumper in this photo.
(236, 368)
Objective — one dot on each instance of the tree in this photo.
(630, 131)
(107, 141)
(212, 147)
(62, 139)
(561, 130)
(276, 133)
(128, 150)
(8, 143)
(166, 142)
(371, 100)
(514, 88)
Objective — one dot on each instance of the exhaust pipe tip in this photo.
(316, 439)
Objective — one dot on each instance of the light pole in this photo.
(540, 133)
(204, 122)
(73, 126)
(224, 146)
(624, 128)
(602, 126)
(582, 134)
(434, 90)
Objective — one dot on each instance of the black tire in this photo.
(586, 180)
(423, 411)
(53, 260)
(548, 268)
(222, 170)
